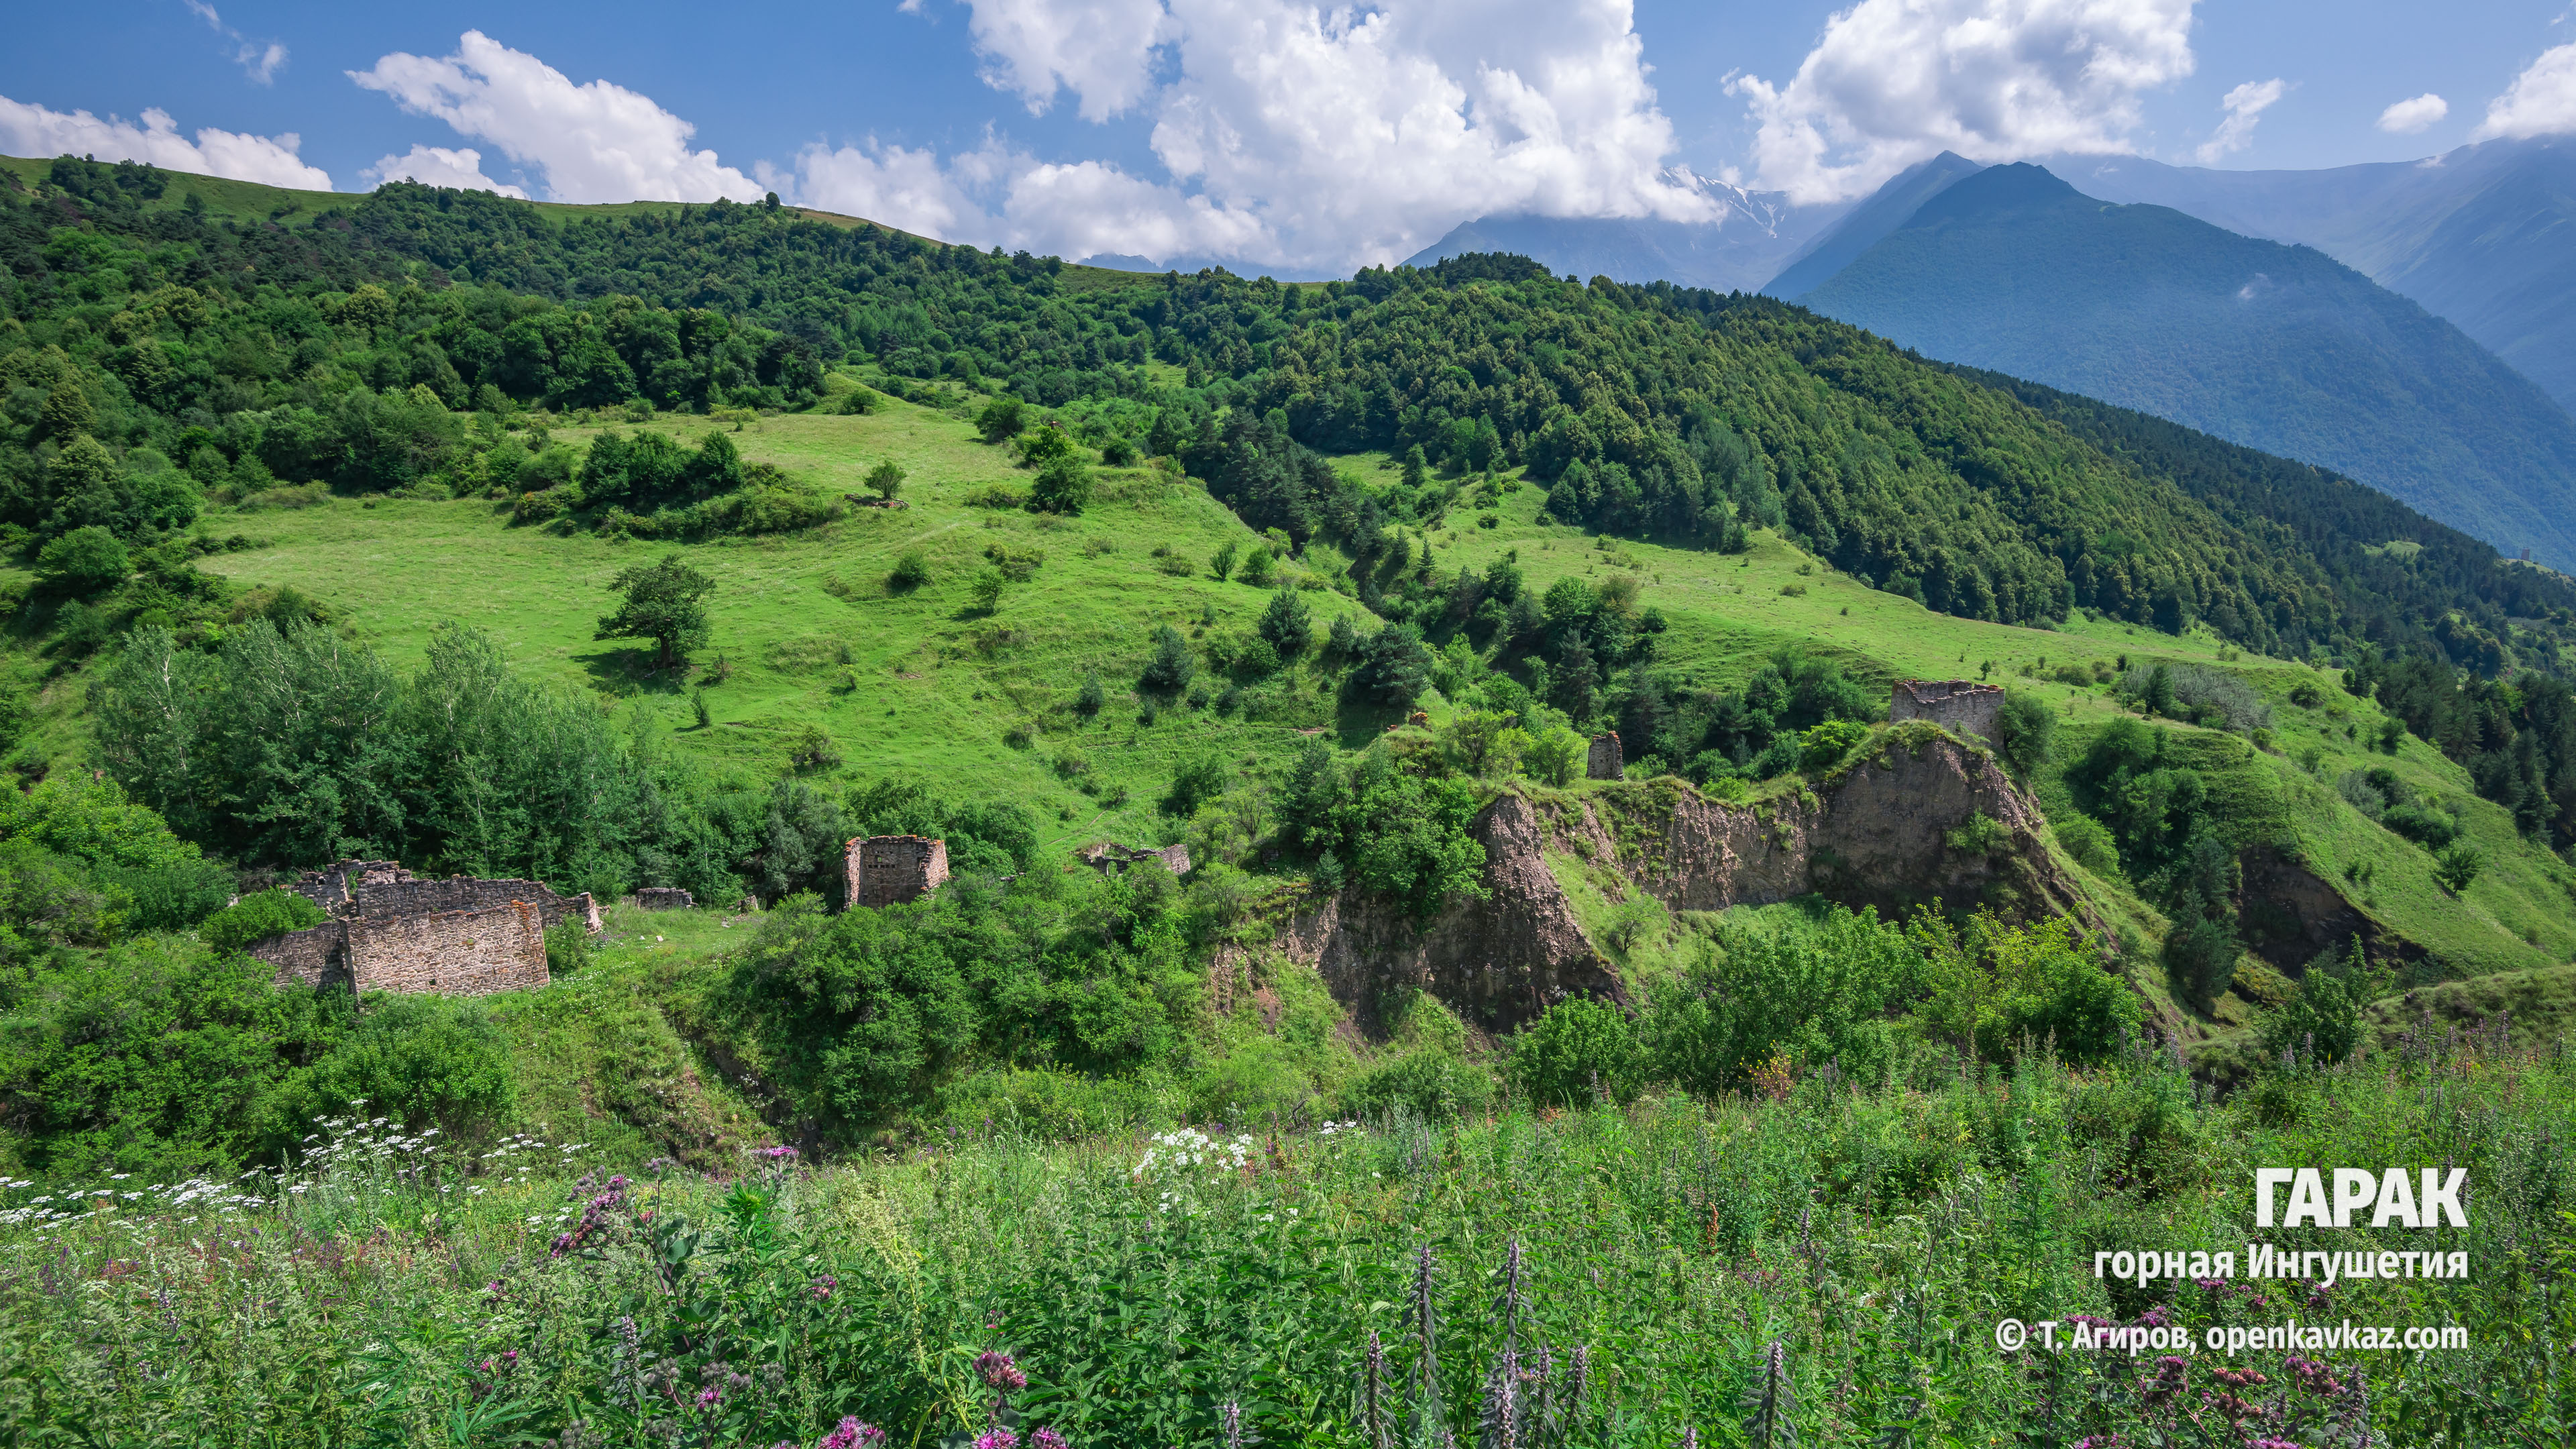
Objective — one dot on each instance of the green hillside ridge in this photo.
(2275, 347)
(259, 473)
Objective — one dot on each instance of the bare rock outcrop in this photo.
(1498, 961)
(1898, 828)
(2290, 915)
(1921, 818)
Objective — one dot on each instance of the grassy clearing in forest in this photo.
(918, 683)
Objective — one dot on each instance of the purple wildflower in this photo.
(594, 1217)
(2314, 1377)
(1047, 1439)
(853, 1435)
(2171, 1373)
(997, 1437)
(999, 1373)
(824, 1285)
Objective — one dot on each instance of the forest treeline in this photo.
(1643, 409)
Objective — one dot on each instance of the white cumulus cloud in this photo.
(904, 189)
(29, 130)
(1293, 135)
(1893, 82)
(2540, 102)
(2406, 117)
(438, 166)
(1101, 50)
(2243, 107)
(594, 142)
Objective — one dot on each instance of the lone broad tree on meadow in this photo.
(662, 604)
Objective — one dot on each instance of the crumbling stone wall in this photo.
(454, 953)
(885, 870)
(1111, 858)
(318, 956)
(393, 931)
(380, 888)
(1606, 762)
(411, 896)
(664, 898)
(334, 887)
(1961, 706)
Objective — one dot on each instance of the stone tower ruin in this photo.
(1961, 706)
(393, 931)
(887, 870)
(1606, 762)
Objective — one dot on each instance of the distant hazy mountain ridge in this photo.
(1756, 233)
(2483, 236)
(2276, 347)
(1859, 229)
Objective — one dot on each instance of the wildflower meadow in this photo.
(1826, 1263)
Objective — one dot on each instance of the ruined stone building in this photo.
(1961, 706)
(1606, 761)
(886, 870)
(1111, 858)
(393, 931)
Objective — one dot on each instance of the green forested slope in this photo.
(1682, 409)
(315, 519)
(309, 547)
(2279, 348)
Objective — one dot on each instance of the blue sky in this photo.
(1259, 129)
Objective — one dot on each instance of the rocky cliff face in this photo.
(1879, 833)
(1497, 961)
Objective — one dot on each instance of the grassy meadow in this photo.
(1817, 1265)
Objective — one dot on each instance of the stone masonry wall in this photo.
(1961, 706)
(428, 897)
(318, 956)
(885, 870)
(392, 931)
(1606, 762)
(453, 953)
(334, 886)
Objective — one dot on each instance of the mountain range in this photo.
(2483, 236)
(2274, 346)
(2407, 399)
(1754, 235)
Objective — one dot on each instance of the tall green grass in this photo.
(1825, 1264)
